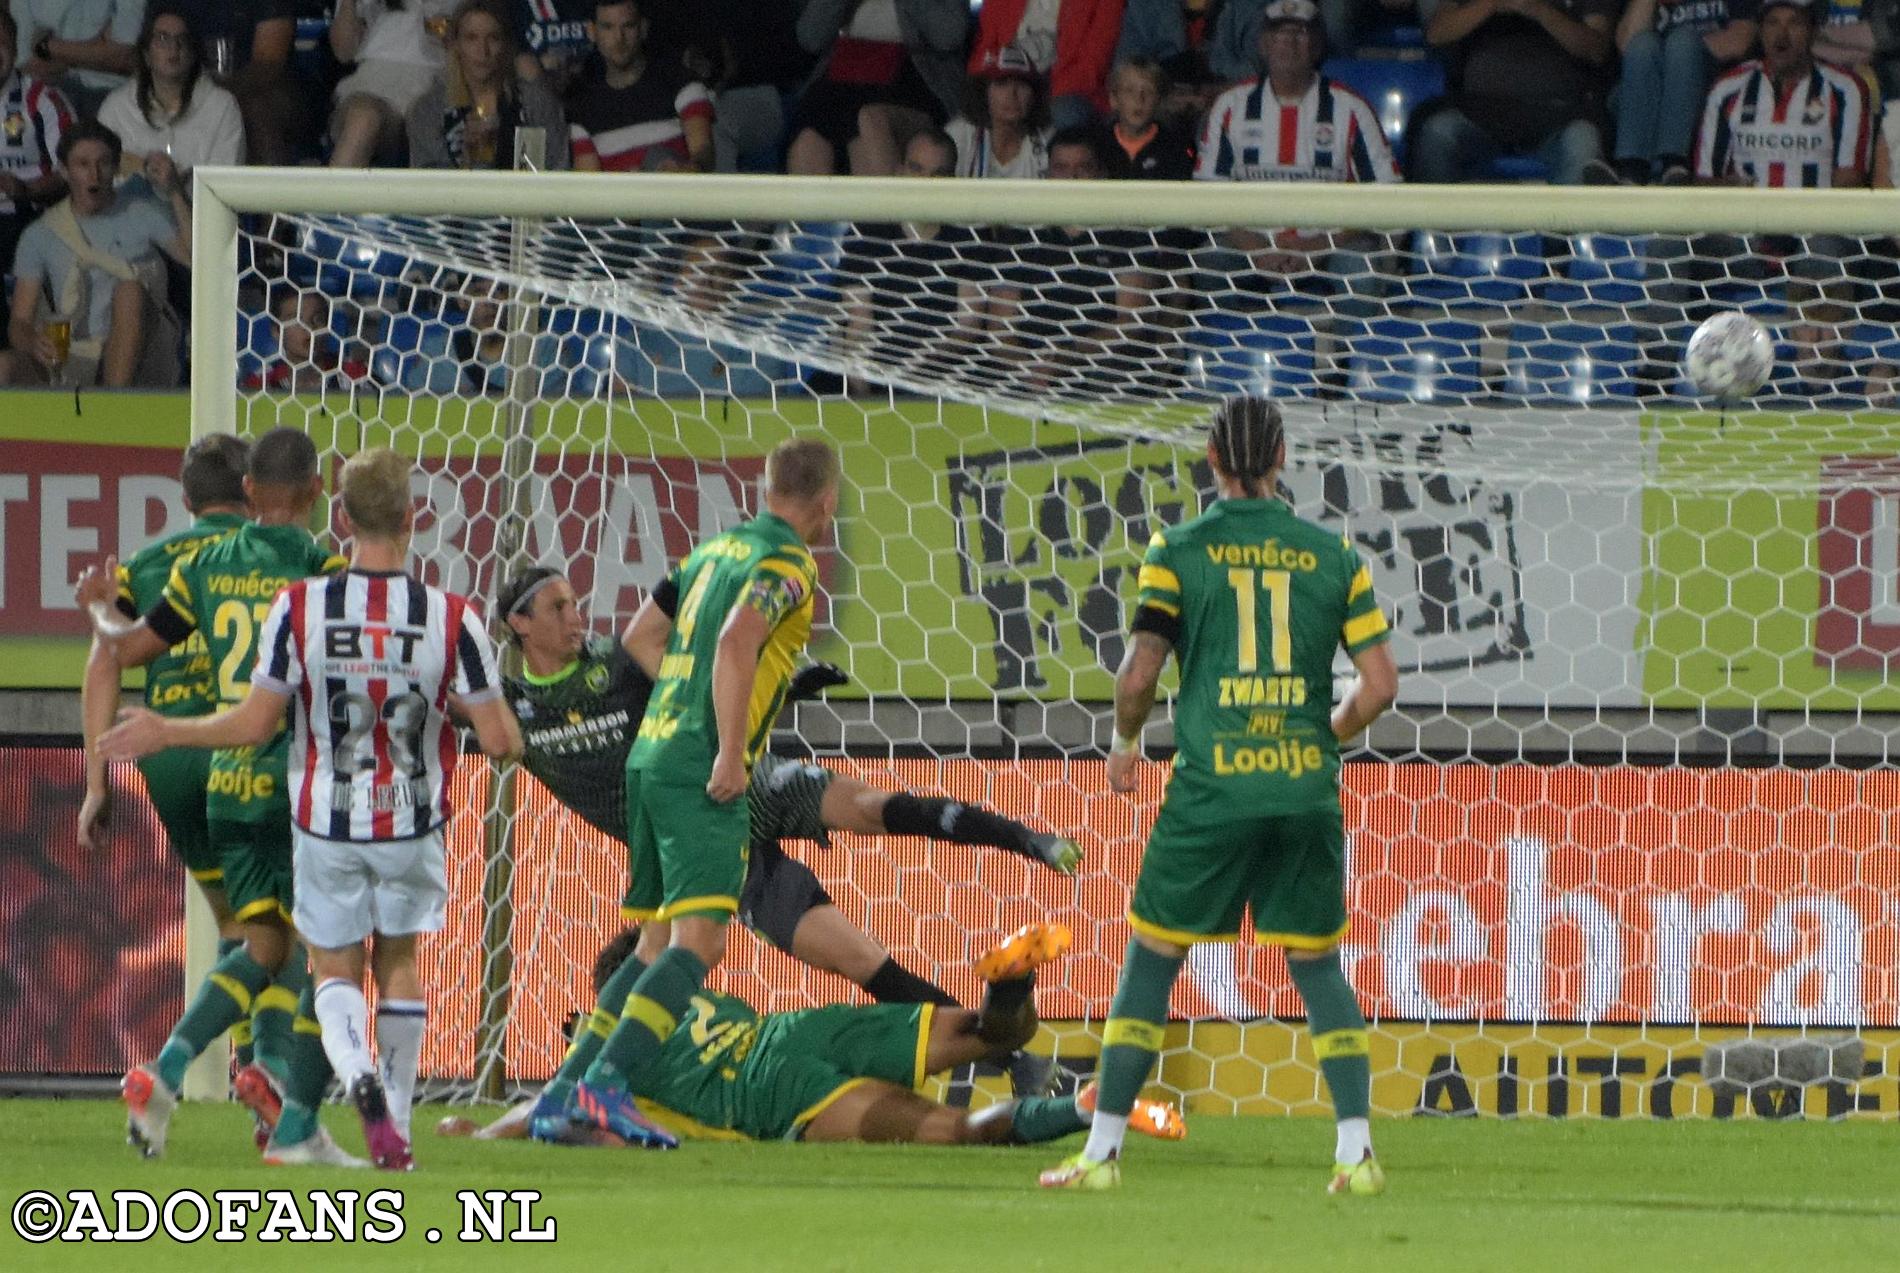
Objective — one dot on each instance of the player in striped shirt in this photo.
(366, 662)
(1784, 119)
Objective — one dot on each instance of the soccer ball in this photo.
(1729, 356)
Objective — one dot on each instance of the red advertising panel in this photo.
(1480, 892)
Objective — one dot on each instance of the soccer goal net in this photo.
(1626, 845)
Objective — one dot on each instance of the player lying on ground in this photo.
(218, 595)
(849, 1072)
(580, 700)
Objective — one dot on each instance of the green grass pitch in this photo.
(1243, 1194)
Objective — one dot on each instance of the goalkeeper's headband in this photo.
(525, 601)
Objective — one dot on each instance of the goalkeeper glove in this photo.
(812, 681)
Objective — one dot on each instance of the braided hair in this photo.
(1247, 436)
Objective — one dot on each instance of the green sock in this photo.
(592, 1032)
(222, 1001)
(273, 1012)
(1339, 1033)
(309, 1076)
(241, 1032)
(654, 1006)
(1040, 1118)
(1133, 1034)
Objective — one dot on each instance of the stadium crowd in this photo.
(109, 105)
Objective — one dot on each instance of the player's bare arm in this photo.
(497, 731)
(735, 668)
(131, 641)
(1375, 689)
(1135, 683)
(251, 723)
(98, 704)
(645, 637)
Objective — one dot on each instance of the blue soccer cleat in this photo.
(615, 1112)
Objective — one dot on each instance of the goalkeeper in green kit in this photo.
(1254, 603)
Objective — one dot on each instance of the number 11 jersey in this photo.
(369, 659)
(1256, 602)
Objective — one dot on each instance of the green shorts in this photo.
(257, 866)
(686, 854)
(1198, 876)
(175, 784)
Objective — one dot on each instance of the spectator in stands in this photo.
(748, 56)
(909, 287)
(467, 118)
(1785, 119)
(1671, 49)
(553, 41)
(309, 358)
(397, 46)
(1073, 40)
(246, 47)
(1138, 145)
(81, 47)
(636, 108)
(171, 107)
(886, 68)
(1295, 124)
(1205, 46)
(1078, 300)
(89, 305)
(1527, 79)
(1004, 130)
(29, 148)
(1862, 36)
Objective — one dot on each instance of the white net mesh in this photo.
(1624, 847)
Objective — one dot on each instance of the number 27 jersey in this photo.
(370, 660)
(1257, 602)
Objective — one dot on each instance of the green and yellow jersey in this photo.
(223, 591)
(762, 564)
(1256, 602)
(728, 1072)
(177, 682)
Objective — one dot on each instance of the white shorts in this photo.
(346, 890)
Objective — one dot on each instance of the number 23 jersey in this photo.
(1256, 602)
(223, 591)
(369, 660)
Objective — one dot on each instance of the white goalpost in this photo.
(1624, 848)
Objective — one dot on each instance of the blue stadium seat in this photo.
(1484, 266)
(1394, 86)
(657, 364)
(1267, 354)
(1866, 345)
(1409, 360)
(1602, 269)
(1518, 168)
(1574, 363)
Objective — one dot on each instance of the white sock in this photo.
(344, 1016)
(400, 1025)
(1355, 1141)
(1105, 1136)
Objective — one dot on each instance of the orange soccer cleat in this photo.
(1024, 951)
(1150, 1118)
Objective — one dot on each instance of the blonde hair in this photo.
(802, 469)
(375, 488)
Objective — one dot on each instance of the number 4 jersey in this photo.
(1256, 602)
(370, 660)
(223, 591)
